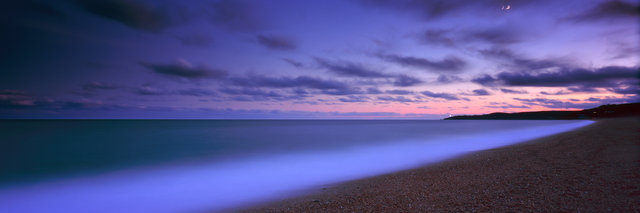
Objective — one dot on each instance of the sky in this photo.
(316, 59)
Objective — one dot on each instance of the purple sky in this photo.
(314, 59)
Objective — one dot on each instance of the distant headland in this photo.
(604, 111)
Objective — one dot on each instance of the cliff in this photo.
(604, 111)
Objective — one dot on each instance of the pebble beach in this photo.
(593, 169)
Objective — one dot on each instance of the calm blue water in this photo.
(190, 165)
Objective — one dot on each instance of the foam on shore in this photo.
(221, 186)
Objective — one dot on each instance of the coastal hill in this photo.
(604, 111)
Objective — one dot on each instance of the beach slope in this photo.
(595, 169)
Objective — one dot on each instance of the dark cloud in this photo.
(373, 91)
(196, 40)
(499, 36)
(15, 99)
(520, 62)
(236, 15)
(614, 100)
(15, 102)
(582, 89)
(446, 96)
(307, 102)
(366, 114)
(448, 64)
(344, 68)
(253, 94)
(485, 80)
(250, 92)
(400, 99)
(556, 104)
(510, 91)
(288, 82)
(561, 92)
(300, 91)
(153, 91)
(343, 91)
(73, 105)
(405, 81)
(276, 42)
(354, 98)
(92, 88)
(350, 69)
(481, 92)
(609, 10)
(196, 92)
(399, 92)
(133, 13)
(504, 105)
(95, 86)
(632, 89)
(590, 102)
(446, 79)
(9, 92)
(329, 87)
(323, 86)
(426, 9)
(625, 50)
(429, 10)
(293, 63)
(185, 70)
(571, 90)
(438, 37)
(495, 36)
(602, 77)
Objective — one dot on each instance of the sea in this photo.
(221, 165)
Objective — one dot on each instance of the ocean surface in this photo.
(201, 165)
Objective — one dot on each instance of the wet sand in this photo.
(594, 169)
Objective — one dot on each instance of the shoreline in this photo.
(593, 168)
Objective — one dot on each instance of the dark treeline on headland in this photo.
(604, 111)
